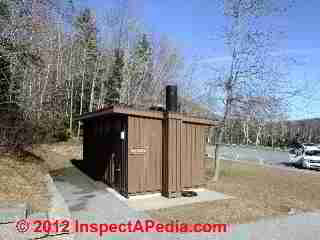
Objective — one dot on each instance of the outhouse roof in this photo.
(118, 110)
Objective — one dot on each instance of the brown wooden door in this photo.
(144, 155)
(115, 160)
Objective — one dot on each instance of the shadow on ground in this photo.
(75, 185)
(296, 166)
(288, 164)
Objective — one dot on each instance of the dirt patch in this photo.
(22, 180)
(59, 155)
(260, 192)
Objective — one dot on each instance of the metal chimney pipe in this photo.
(172, 98)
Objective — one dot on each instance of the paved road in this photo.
(305, 226)
(265, 156)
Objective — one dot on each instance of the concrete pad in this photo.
(154, 202)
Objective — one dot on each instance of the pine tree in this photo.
(143, 67)
(115, 78)
(143, 50)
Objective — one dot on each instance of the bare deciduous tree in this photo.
(252, 70)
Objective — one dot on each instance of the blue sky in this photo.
(192, 25)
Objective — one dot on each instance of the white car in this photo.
(306, 157)
(311, 159)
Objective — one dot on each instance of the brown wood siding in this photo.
(183, 155)
(174, 155)
(157, 155)
(144, 168)
(193, 155)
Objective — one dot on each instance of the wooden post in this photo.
(171, 184)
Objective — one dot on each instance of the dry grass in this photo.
(22, 180)
(22, 177)
(58, 155)
(259, 191)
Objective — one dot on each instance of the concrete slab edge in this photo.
(58, 209)
(116, 194)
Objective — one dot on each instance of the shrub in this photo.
(16, 130)
(62, 135)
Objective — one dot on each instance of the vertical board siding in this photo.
(193, 156)
(189, 155)
(144, 169)
(173, 159)
(178, 152)
(164, 171)
(183, 155)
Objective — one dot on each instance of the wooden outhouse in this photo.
(141, 151)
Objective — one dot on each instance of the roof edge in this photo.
(146, 113)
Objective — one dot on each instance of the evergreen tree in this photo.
(143, 67)
(143, 50)
(115, 78)
(87, 32)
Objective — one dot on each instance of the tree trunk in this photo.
(82, 91)
(71, 93)
(71, 109)
(216, 157)
(220, 138)
(93, 86)
(44, 90)
(101, 97)
(258, 135)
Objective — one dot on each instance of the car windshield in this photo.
(309, 144)
(313, 153)
(295, 145)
